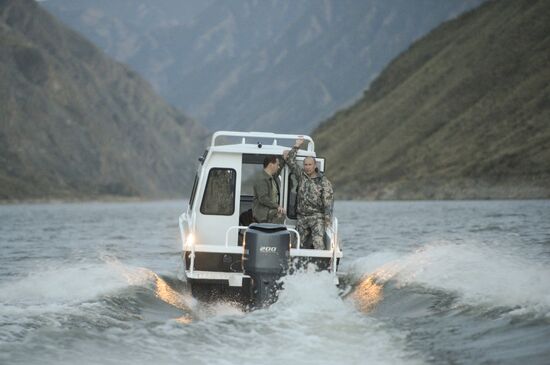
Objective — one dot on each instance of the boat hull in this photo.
(232, 263)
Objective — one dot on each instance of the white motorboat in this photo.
(224, 253)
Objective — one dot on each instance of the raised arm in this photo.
(290, 158)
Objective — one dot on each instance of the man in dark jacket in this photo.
(315, 199)
(265, 207)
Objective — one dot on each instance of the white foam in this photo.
(309, 324)
(309, 291)
(140, 276)
(477, 273)
(61, 285)
(370, 264)
(310, 313)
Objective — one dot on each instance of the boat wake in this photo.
(384, 300)
(449, 296)
(473, 274)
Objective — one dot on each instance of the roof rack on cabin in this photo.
(274, 137)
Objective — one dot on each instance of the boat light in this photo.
(190, 241)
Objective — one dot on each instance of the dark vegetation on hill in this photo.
(463, 113)
(75, 124)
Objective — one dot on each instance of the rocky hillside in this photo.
(463, 113)
(75, 124)
(273, 65)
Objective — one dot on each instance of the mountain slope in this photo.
(74, 124)
(260, 65)
(463, 113)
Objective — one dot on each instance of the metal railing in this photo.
(265, 135)
(334, 245)
(187, 243)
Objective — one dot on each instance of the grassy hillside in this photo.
(463, 113)
(75, 124)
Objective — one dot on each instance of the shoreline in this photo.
(341, 199)
(108, 199)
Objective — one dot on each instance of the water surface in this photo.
(427, 282)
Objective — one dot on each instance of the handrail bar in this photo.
(333, 234)
(298, 242)
(229, 230)
(267, 135)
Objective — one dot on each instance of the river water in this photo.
(426, 282)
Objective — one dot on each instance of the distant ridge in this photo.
(77, 125)
(463, 113)
(269, 65)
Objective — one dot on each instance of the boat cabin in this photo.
(220, 205)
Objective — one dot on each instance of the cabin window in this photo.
(219, 195)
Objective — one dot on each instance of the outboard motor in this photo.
(265, 259)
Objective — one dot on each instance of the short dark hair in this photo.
(269, 159)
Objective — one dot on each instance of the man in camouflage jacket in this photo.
(315, 199)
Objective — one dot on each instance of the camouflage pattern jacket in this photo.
(315, 195)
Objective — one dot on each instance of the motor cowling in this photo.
(266, 256)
